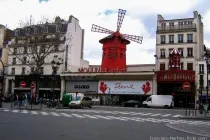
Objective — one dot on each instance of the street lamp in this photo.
(2, 85)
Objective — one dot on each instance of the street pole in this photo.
(2, 86)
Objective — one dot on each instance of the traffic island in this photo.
(198, 129)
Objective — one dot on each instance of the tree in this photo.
(33, 50)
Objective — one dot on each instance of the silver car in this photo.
(80, 102)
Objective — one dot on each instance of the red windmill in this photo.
(114, 46)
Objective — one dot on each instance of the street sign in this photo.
(32, 85)
(23, 84)
(186, 86)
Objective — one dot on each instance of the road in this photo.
(99, 123)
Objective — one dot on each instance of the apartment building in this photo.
(186, 36)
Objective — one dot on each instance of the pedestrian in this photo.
(26, 100)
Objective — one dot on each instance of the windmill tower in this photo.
(114, 46)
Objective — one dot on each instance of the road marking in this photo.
(133, 119)
(89, 116)
(65, 115)
(34, 112)
(99, 116)
(55, 114)
(155, 115)
(15, 111)
(44, 113)
(146, 114)
(166, 115)
(24, 111)
(76, 115)
(6, 110)
(117, 118)
(175, 116)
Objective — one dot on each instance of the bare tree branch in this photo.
(33, 50)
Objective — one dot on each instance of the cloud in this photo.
(103, 14)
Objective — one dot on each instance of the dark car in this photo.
(131, 103)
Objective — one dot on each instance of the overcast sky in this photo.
(140, 20)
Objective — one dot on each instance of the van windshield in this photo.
(76, 98)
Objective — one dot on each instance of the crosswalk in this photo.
(126, 113)
(107, 117)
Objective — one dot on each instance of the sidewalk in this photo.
(197, 117)
(28, 107)
(196, 129)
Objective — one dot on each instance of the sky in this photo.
(140, 20)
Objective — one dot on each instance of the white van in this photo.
(166, 101)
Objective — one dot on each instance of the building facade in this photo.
(40, 47)
(186, 36)
(111, 88)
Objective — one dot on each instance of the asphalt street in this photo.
(85, 124)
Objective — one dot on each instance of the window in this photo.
(25, 50)
(181, 66)
(15, 51)
(45, 29)
(180, 38)
(23, 70)
(171, 24)
(201, 68)
(163, 24)
(13, 71)
(27, 31)
(171, 39)
(190, 22)
(14, 60)
(201, 81)
(42, 70)
(17, 32)
(189, 38)
(58, 28)
(162, 53)
(35, 30)
(169, 51)
(181, 52)
(180, 23)
(24, 60)
(32, 69)
(186, 22)
(56, 48)
(189, 52)
(42, 49)
(162, 39)
(149, 100)
(189, 66)
(162, 66)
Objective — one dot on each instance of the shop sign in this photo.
(81, 87)
(99, 70)
(125, 87)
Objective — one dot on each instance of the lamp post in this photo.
(2, 85)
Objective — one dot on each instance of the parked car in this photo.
(80, 102)
(166, 101)
(131, 103)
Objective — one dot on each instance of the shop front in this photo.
(116, 92)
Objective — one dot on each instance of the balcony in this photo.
(176, 28)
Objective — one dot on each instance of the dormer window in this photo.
(35, 30)
(45, 29)
(17, 31)
(58, 28)
(27, 31)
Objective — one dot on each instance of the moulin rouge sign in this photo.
(99, 70)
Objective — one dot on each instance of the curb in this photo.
(195, 118)
(185, 131)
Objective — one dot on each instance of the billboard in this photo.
(125, 87)
(82, 87)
